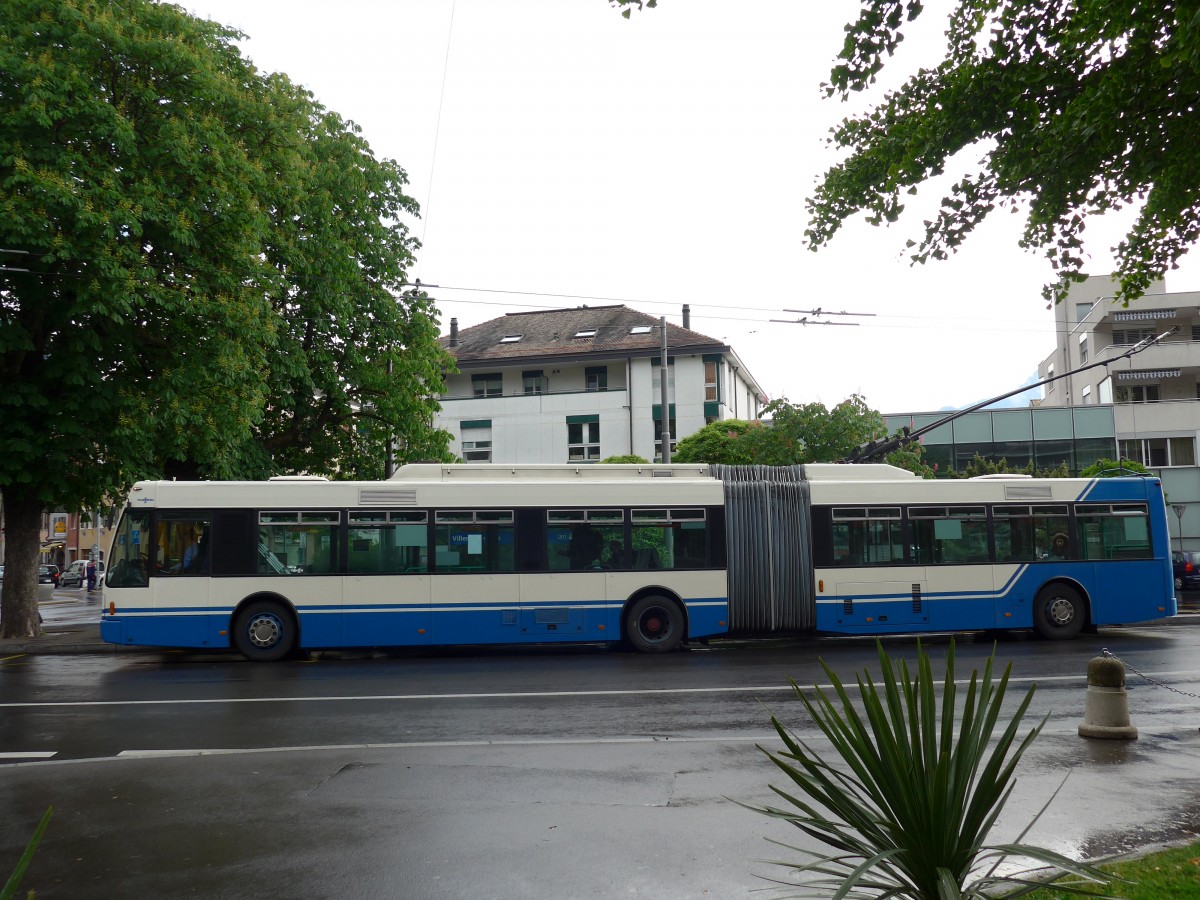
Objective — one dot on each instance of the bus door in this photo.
(179, 566)
(567, 600)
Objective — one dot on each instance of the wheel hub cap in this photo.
(265, 631)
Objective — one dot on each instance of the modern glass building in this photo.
(1049, 437)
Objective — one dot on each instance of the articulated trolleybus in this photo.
(650, 556)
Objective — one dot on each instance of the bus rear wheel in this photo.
(1059, 612)
(264, 631)
(654, 625)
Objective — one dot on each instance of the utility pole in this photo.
(666, 408)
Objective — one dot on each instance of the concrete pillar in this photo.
(1106, 708)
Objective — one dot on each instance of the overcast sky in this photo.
(563, 155)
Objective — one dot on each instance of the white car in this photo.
(76, 574)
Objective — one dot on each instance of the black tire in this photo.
(654, 625)
(264, 631)
(1059, 612)
(1178, 583)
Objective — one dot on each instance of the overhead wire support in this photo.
(814, 317)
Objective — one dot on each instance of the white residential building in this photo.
(582, 384)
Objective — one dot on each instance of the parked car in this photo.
(48, 574)
(76, 574)
(1187, 570)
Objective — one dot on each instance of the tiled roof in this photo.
(552, 333)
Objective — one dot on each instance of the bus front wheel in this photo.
(264, 631)
(1059, 612)
(654, 625)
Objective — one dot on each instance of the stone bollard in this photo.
(1106, 709)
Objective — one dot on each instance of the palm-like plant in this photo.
(911, 817)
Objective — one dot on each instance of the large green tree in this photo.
(1064, 109)
(212, 261)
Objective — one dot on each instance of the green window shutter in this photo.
(476, 423)
(582, 420)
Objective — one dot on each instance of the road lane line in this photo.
(520, 695)
(28, 754)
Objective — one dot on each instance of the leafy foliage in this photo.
(1075, 109)
(912, 816)
(632, 459)
(797, 434)
(9, 890)
(1108, 468)
(718, 443)
(980, 466)
(214, 267)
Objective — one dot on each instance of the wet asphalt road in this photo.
(560, 773)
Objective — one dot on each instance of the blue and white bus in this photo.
(649, 556)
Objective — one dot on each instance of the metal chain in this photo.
(1148, 678)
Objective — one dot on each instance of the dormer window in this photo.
(641, 329)
(585, 333)
(511, 338)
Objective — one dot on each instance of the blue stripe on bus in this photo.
(361, 625)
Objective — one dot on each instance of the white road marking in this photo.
(28, 754)
(521, 695)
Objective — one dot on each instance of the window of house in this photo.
(1159, 452)
(477, 441)
(1087, 396)
(511, 338)
(656, 368)
(1182, 451)
(658, 454)
(1127, 337)
(1136, 393)
(641, 329)
(1049, 374)
(711, 383)
(583, 438)
(585, 333)
(489, 385)
(1082, 310)
(597, 378)
(1083, 349)
(534, 381)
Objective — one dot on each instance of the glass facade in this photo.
(1049, 438)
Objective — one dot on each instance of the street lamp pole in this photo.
(666, 409)
(1179, 508)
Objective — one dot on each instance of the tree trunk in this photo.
(19, 601)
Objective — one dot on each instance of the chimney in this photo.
(687, 316)
(454, 332)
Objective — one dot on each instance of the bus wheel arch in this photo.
(265, 628)
(654, 620)
(1061, 610)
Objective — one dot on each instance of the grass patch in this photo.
(1167, 875)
